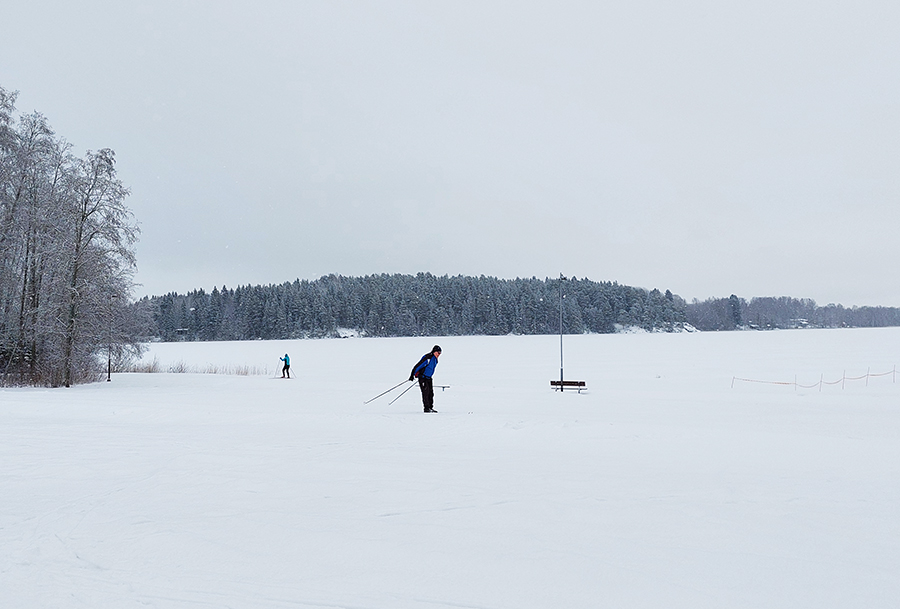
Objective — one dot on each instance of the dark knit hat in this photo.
(436, 348)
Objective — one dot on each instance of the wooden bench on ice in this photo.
(561, 385)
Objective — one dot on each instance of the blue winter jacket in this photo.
(286, 360)
(425, 367)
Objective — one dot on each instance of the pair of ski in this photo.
(391, 389)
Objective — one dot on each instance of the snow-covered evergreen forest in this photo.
(410, 305)
(66, 255)
(428, 305)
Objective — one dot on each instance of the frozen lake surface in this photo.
(662, 486)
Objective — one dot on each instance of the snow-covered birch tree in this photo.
(66, 255)
(100, 257)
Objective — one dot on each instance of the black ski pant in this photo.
(286, 370)
(427, 392)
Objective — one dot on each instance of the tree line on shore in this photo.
(769, 313)
(424, 304)
(410, 305)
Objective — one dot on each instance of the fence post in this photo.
(867, 375)
(821, 379)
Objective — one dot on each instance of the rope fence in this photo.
(841, 381)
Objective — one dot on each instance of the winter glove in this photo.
(412, 378)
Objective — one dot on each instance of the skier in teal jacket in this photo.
(287, 366)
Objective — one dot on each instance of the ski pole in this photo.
(381, 394)
(401, 395)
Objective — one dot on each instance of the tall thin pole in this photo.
(109, 344)
(109, 340)
(561, 279)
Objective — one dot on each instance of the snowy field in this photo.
(663, 486)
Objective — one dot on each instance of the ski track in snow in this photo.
(661, 486)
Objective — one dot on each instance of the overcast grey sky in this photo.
(705, 147)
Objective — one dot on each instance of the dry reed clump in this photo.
(182, 367)
(150, 367)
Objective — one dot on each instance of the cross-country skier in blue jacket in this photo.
(423, 371)
(287, 366)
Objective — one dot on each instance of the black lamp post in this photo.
(109, 341)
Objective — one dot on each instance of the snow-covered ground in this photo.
(663, 486)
